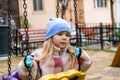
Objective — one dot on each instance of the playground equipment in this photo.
(116, 60)
(69, 75)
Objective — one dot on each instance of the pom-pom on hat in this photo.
(56, 25)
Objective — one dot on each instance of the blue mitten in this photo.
(28, 61)
(78, 52)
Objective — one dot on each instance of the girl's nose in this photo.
(64, 36)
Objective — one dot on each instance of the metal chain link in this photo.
(27, 36)
(9, 38)
(57, 12)
(26, 26)
(76, 24)
(64, 4)
(63, 12)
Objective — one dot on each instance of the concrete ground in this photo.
(100, 69)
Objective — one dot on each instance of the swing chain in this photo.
(26, 26)
(29, 74)
(25, 23)
(57, 12)
(27, 36)
(63, 10)
(62, 5)
(76, 23)
(9, 38)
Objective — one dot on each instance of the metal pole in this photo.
(112, 17)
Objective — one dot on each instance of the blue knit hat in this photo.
(56, 25)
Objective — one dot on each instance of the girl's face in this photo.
(61, 39)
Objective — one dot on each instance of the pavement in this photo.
(3, 58)
(101, 68)
(108, 73)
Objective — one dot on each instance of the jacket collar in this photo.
(60, 51)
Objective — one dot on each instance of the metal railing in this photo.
(90, 35)
(97, 35)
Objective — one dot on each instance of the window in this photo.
(99, 3)
(37, 5)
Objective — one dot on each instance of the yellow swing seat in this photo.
(72, 74)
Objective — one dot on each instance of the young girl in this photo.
(56, 55)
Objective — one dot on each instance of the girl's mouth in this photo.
(63, 42)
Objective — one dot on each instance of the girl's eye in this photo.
(68, 35)
(62, 33)
(59, 34)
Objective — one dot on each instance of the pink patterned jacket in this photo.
(59, 62)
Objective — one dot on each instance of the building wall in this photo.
(88, 13)
(39, 19)
(96, 15)
(118, 11)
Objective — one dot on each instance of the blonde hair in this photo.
(48, 50)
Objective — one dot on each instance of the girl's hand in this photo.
(28, 61)
(78, 52)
